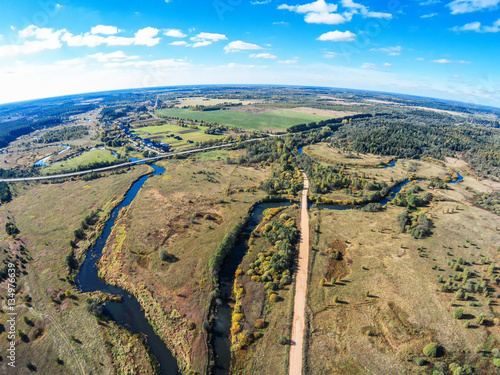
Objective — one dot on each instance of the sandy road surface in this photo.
(300, 288)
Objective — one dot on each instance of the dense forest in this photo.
(415, 137)
(65, 134)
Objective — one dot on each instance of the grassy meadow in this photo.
(274, 120)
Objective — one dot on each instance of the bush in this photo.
(274, 297)
(165, 256)
(480, 319)
(283, 340)
(420, 361)
(457, 314)
(496, 362)
(431, 350)
(260, 323)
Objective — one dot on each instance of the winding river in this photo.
(221, 342)
(129, 312)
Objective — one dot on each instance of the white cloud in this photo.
(319, 6)
(105, 30)
(369, 66)
(175, 33)
(295, 60)
(281, 23)
(206, 39)
(35, 40)
(179, 43)
(387, 64)
(420, 59)
(365, 12)
(430, 15)
(319, 12)
(337, 36)
(209, 36)
(239, 45)
(391, 51)
(325, 18)
(143, 37)
(202, 44)
(442, 61)
(478, 28)
(262, 56)
(469, 6)
(260, 2)
(112, 57)
(235, 65)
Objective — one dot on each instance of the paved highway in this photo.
(163, 156)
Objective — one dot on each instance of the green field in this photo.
(160, 134)
(84, 159)
(279, 120)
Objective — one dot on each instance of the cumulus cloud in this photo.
(430, 15)
(325, 18)
(179, 43)
(469, 6)
(365, 12)
(320, 6)
(35, 40)
(206, 39)
(239, 45)
(442, 61)
(175, 33)
(105, 30)
(143, 37)
(337, 36)
(262, 56)
(391, 51)
(478, 28)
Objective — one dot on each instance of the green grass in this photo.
(280, 120)
(82, 160)
(164, 130)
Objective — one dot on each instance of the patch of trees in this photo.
(414, 137)
(490, 202)
(418, 226)
(5, 194)
(65, 134)
(410, 198)
(215, 107)
(11, 229)
(334, 123)
(227, 244)
(114, 113)
(274, 267)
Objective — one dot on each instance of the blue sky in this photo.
(437, 48)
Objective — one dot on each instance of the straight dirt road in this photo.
(299, 306)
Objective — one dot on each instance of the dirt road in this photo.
(300, 288)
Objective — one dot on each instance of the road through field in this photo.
(299, 306)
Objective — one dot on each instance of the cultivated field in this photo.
(161, 133)
(274, 120)
(209, 101)
(83, 160)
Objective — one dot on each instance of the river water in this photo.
(129, 312)
(221, 343)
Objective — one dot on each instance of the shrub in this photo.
(466, 324)
(165, 256)
(420, 361)
(335, 299)
(322, 281)
(431, 350)
(283, 340)
(457, 314)
(260, 323)
(480, 319)
(238, 317)
(496, 362)
(274, 297)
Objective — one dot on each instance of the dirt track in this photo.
(298, 327)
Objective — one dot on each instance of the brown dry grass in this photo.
(168, 213)
(47, 215)
(405, 309)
